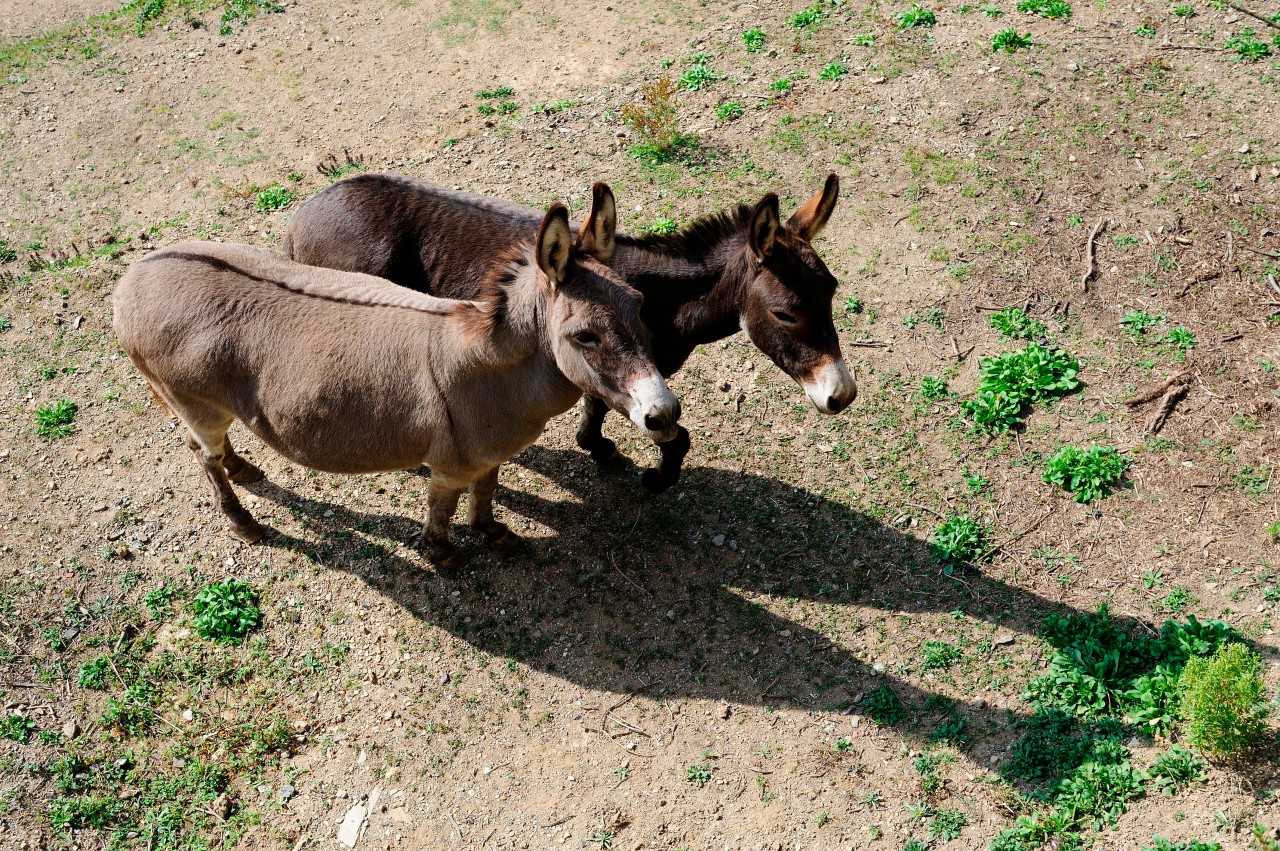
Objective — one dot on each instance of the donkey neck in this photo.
(691, 297)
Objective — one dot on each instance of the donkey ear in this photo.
(554, 244)
(598, 231)
(811, 218)
(763, 229)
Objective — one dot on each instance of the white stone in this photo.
(352, 826)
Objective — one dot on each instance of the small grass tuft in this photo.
(1176, 769)
(1247, 47)
(1054, 10)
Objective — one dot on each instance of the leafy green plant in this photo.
(148, 11)
(1010, 382)
(1088, 474)
(662, 227)
(1247, 47)
(833, 71)
(883, 706)
(959, 539)
(933, 389)
(1012, 324)
(754, 40)
(1180, 340)
(992, 11)
(699, 76)
(729, 111)
(939, 654)
(159, 601)
(1146, 29)
(57, 419)
(1176, 769)
(806, 18)
(243, 11)
(1159, 843)
(1136, 322)
(1010, 41)
(1052, 9)
(93, 674)
(274, 197)
(699, 774)
(1222, 702)
(863, 40)
(1099, 791)
(226, 611)
(946, 824)
(17, 728)
(1183, 10)
(496, 93)
(916, 16)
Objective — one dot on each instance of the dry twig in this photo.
(1170, 392)
(1253, 15)
(1090, 268)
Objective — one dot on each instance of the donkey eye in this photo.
(587, 339)
(783, 317)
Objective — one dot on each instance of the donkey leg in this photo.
(589, 435)
(207, 446)
(442, 501)
(668, 470)
(238, 469)
(480, 513)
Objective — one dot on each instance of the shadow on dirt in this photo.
(641, 593)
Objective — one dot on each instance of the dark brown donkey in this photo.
(742, 268)
(348, 373)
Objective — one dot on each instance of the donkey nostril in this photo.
(653, 423)
(834, 405)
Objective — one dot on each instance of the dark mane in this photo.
(696, 239)
(492, 289)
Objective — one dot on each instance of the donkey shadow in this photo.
(642, 593)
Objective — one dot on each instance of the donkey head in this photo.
(593, 319)
(787, 306)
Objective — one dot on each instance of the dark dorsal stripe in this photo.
(494, 302)
(696, 239)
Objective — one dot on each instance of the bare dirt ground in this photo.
(687, 670)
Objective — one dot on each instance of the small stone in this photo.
(718, 540)
(878, 667)
(287, 792)
(444, 678)
(1244, 149)
(1001, 640)
(724, 712)
(786, 633)
(1071, 66)
(70, 730)
(352, 825)
(188, 715)
(329, 513)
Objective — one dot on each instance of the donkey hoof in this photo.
(250, 532)
(602, 450)
(498, 537)
(654, 480)
(245, 473)
(445, 557)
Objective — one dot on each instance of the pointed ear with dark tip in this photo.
(763, 229)
(811, 218)
(598, 231)
(554, 244)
